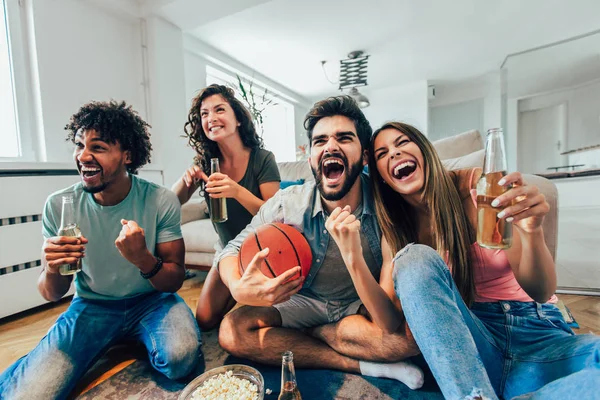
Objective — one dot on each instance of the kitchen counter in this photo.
(570, 174)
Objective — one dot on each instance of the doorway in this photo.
(542, 137)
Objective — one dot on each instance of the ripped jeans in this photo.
(499, 350)
(161, 321)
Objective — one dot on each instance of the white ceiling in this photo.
(564, 65)
(408, 40)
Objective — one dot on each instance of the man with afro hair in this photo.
(132, 257)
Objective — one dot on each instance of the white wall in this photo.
(477, 102)
(452, 119)
(583, 116)
(83, 54)
(195, 75)
(511, 133)
(406, 103)
(492, 102)
(168, 103)
(583, 105)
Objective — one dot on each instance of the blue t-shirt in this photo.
(105, 274)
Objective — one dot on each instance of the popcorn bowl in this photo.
(237, 370)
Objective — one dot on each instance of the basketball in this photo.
(288, 248)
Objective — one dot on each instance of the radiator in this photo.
(23, 194)
(21, 203)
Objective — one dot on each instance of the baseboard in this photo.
(204, 268)
(580, 291)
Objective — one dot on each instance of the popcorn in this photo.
(226, 387)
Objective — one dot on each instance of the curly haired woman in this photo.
(219, 126)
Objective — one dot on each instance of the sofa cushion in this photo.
(200, 259)
(294, 170)
(194, 209)
(199, 236)
(459, 145)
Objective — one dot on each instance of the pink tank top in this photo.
(494, 278)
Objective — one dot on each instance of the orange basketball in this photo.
(288, 248)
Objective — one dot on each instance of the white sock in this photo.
(403, 371)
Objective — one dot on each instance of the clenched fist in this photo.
(345, 230)
(131, 242)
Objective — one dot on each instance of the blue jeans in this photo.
(161, 321)
(500, 350)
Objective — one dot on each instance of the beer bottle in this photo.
(289, 387)
(68, 227)
(492, 232)
(218, 207)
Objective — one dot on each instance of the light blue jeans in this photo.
(500, 350)
(161, 321)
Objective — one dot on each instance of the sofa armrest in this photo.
(550, 224)
(195, 209)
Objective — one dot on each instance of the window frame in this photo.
(23, 67)
(228, 78)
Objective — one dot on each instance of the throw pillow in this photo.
(472, 160)
(285, 184)
(459, 145)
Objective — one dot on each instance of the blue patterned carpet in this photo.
(141, 381)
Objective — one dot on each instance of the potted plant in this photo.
(256, 103)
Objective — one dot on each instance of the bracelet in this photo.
(157, 267)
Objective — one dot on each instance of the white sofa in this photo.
(464, 150)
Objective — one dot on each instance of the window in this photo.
(278, 126)
(9, 137)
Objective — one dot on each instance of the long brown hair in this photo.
(452, 231)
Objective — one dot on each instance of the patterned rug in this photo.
(140, 381)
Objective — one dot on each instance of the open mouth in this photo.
(215, 129)
(333, 170)
(404, 169)
(89, 173)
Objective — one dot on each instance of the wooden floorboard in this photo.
(585, 310)
(19, 334)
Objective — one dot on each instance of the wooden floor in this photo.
(19, 334)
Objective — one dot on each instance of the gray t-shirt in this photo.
(262, 168)
(333, 282)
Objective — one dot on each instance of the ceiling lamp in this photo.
(361, 99)
(353, 73)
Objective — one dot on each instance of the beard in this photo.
(94, 189)
(98, 187)
(351, 173)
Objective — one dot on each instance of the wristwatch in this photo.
(154, 271)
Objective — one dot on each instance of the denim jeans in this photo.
(161, 321)
(500, 350)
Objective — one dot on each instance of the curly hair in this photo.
(339, 105)
(115, 122)
(206, 148)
